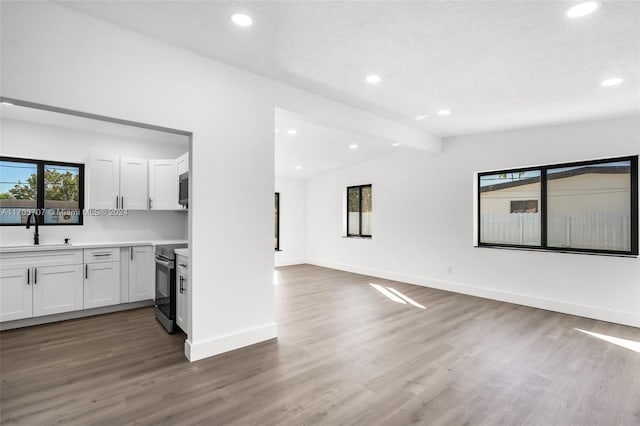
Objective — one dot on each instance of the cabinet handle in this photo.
(117, 200)
(131, 250)
(86, 271)
(183, 265)
(35, 275)
(28, 276)
(101, 254)
(150, 204)
(181, 280)
(122, 202)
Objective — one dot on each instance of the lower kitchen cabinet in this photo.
(101, 284)
(15, 294)
(141, 273)
(182, 293)
(56, 289)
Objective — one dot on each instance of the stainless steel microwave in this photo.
(183, 189)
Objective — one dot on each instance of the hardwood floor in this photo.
(346, 354)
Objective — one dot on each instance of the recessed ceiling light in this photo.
(611, 82)
(292, 131)
(353, 146)
(395, 144)
(277, 131)
(444, 112)
(373, 79)
(298, 167)
(583, 9)
(242, 20)
(421, 117)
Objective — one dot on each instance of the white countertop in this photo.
(78, 246)
(182, 252)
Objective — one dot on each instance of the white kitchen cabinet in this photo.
(141, 273)
(104, 182)
(37, 283)
(118, 182)
(182, 163)
(56, 289)
(163, 185)
(133, 183)
(15, 294)
(101, 284)
(182, 293)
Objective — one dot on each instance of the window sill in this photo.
(358, 237)
(558, 250)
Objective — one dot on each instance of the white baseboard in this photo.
(290, 262)
(199, 350)
(588, 311)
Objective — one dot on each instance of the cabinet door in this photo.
(163, 185)
(101, 284)
(104, 182)
(56, 289)
(141, 274)
(183, 163)
(133, 183)
(15, 294)
(182, 316)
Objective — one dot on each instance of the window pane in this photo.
(366, 210)
(509, 211)
(18, 191)
(353, 209)
(61, 194)
(589, 206)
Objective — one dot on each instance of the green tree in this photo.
(61, 186)
(25, 191)
(58, 186)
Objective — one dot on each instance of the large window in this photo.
(277, 222)
(52, 190)
(359, 211)
(589, 206)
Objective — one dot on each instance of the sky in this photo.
(11, 172)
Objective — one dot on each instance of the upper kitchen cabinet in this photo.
(183, 163)
(104, 182)
(163, 185)
(118, 183)
(133, 183)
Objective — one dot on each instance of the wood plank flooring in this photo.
(346, 354)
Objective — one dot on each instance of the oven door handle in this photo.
(163, 263)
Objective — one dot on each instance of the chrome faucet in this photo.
(36, 236)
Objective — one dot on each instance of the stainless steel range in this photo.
(166, 285)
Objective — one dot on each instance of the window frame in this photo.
(277, 206)
(40, 196)
(542, 208)
(360, 187)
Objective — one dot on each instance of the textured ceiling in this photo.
(495, 64)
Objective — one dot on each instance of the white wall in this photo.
(423, 218)
(59, 57)
(45, 142)
(293, 221)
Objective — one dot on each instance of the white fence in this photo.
(592, 230)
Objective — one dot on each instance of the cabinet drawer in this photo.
(99, 255)
(41, 258)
